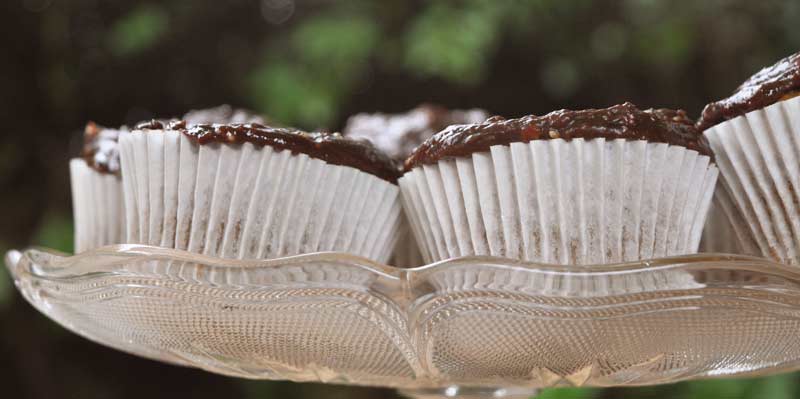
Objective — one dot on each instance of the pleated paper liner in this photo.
(567, 202)
(725, 230)
(759, 159)
(247, 202)
(98, 207)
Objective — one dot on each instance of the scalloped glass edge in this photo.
(433, 326)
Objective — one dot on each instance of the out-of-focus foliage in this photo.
(454, 41)
(56, 232)
(775, 387)
(138, 30)
(305, 82)
(784, 386)
(718, 388)
(5, 283)
(567, 393)
(458, 42)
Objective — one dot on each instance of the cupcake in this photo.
(97, 198)
(223, 114)
(397, 135)
(250, 191)
(571, 187)
(755, 136)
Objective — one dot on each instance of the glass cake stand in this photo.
(469, 327)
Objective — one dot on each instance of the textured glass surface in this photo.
(470, 322)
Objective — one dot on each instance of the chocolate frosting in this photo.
(399, 134)
(100, 148)
(623, 121)
(770, 85)
(329, 147)
(100, 143)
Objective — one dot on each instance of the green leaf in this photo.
(728, 389)
(452, 42)
(775, 387)
(5, 286)
(292, 94)
(56, 232)
(139, 30)
(338, 44)
(305, 84)
(566, 393)
(668, 42)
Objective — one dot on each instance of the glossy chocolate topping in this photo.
(623, 121)
(399, 134)
(100, 148)
(770, 85)
(329, 147)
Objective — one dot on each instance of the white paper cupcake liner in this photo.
(759, 159)
(725, 230)
(248, 202)
(567, 202)
(98, 207)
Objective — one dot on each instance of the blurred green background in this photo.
(311, 64)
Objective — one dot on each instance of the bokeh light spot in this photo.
(560, 77)
(277, 12)
(609, 41)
